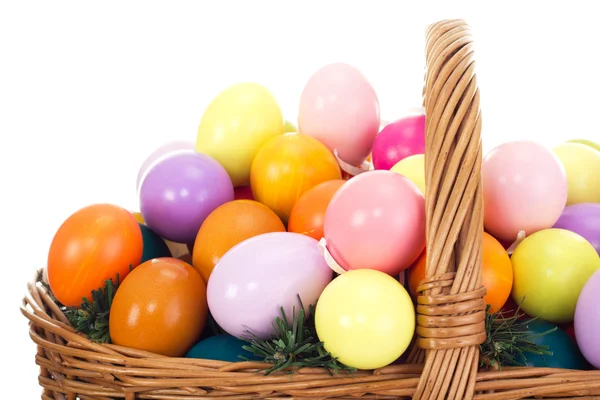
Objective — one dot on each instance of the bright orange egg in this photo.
(286, 167)
(308, 215)
(496, 273)
(92, 245)
(228, 225)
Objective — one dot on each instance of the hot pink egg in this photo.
(398, 140)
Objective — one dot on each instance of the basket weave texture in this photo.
(442, 364)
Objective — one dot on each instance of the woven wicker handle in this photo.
(451, 309)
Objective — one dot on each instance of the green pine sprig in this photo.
(509, 340)
(293, 345)
(93, 316)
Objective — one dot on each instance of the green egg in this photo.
(154, 245)
(222, 347)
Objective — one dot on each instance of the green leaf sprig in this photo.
(93, 316)
(509, 340)
(294, 345)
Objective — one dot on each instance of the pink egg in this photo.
(376, 220)
(524, 188)
(339, 107)
(398, 140)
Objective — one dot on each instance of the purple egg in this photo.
(398, 140)
(261, 274)
(583, 219)
(161, 152)
(179, 191)
(587, 320)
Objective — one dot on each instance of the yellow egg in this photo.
(412, 167)
(550, 269)
(365, 318)
(593, 145)
(286, 167)
(236, 124)
(582, 164)
(138, 217)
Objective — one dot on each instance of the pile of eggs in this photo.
(264, 212)
(358, 189)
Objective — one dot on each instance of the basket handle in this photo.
(451, 309)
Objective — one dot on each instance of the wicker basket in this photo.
(443, 364)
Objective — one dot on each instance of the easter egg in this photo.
(496, 273)
(412, 167)
(582, 164)
(228, 225)
(286, 167)
(308, 215)
(289, 127)
(593, 145)
(222, 347)
(160, 307)
(569, 329)
(176, 250)
(524, 189)
(257, 277)
(587, 320)
(398, 140)
(376, 220)
(138, 217)
(179, 192)
(161, 152)
(565, 353)
(154, 245)
(237, 122)
(365, 318)
(243, 193)
(339, 107)
(94, 244)
(583, 219)
(550, 269)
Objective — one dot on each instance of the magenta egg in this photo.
(398, 140)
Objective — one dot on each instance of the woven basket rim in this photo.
(70, 363)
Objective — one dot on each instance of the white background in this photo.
(89, 89)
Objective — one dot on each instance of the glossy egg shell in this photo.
(222, 347)
(160, 307)
(565, 353)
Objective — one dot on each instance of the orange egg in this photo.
(308, 213)
(94, 244)
(287, 166)
(496, 273)
(228, 225)
(160, 307)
